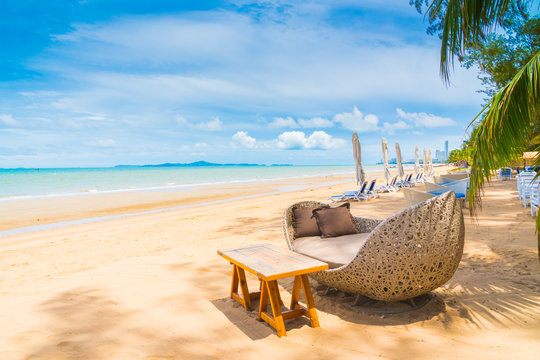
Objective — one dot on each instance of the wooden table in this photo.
(270, 263)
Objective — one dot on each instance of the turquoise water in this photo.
(29, 183)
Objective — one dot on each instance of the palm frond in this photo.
(465, 23)
(505, 129)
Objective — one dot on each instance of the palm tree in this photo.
(509, 119)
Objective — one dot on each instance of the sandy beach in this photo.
(151, 286)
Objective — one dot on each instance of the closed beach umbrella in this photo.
(430, 162)
(357, 152)
(385, 161)
(425, 161)
(416, 161)
(398, 160)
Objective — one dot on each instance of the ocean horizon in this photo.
(55, 182)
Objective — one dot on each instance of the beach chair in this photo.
(404, 182)
(523, 180)
(505, 174)
(527, 187)
(357, 195)
(391, 187)
(535, 199)
(371, 190)
(456, 175)
(407, 255)
(412, 181)
(351, 195)
(388, 187)
(457, 186)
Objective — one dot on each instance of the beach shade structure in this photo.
(416, 161)
(529, 155)
(357, 153)
(385, 160)
(425, 161)
(399, 163)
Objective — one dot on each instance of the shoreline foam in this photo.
(60, 224)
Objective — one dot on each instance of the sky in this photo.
(107, 82)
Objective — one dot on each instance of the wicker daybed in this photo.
(407, 255)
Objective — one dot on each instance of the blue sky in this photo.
(104, 82)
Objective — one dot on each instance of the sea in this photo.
(54, 182)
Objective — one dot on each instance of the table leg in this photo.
(263, 303)
(234, 283)
(295, 293)
(275, 303)
(239, 278)
(309, 301)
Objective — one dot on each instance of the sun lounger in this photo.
(457, 186)
(406, 182)
(371, 190)
(351, 195)
(390, 187)
(418, 179)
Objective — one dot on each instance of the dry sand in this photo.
(152, 286)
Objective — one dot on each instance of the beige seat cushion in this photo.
(336, 251)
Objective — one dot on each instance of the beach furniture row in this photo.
(528, 189)
(368, 189)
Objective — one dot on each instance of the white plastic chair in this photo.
(524, 180)
(535, 198)
(527, 187)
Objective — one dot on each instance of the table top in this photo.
(270, 262)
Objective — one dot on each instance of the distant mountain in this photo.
(198, 164)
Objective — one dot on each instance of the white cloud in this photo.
(281, 122)
(356, 121)
(289, 122)
(213, 125)
(104, 143)
(180, 120)
(8, 120)
(292, 140)
(107, 143)
(425, 120)
(225, 63)
(391, 128)
(202, 145)
(318, 140)
(315, 122)
(242, 138)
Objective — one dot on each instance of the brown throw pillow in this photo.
(304, 223)
(335, 221)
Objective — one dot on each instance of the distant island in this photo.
(198, 163)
